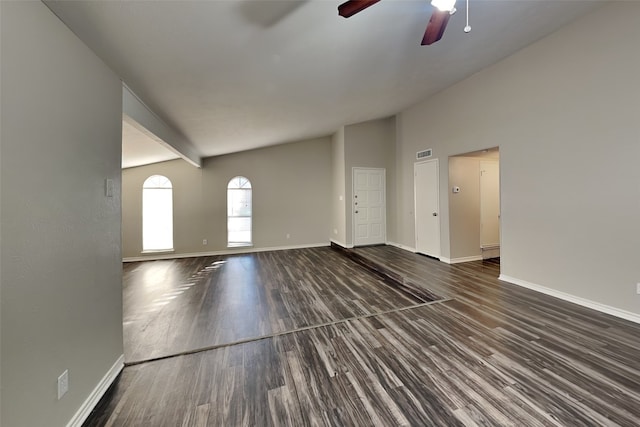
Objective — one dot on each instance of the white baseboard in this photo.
(401, 246)
(462, 259)
(231, 251)
(489, 247)
(623, 314)
(87, 406)
(490, 253)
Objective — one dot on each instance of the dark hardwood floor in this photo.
(311, 337)
(176, 306)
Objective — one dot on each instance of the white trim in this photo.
(490, 247)
(401, 246)
(239, 244)
(92, 401)
(461, 259)
(494, 253)
(223, 252)
(623, 314)
(466, 259)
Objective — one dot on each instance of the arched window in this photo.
(157, 214)
(239, 212)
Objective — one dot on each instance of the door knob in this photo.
(435, 214)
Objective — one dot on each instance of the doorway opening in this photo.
(474, 206)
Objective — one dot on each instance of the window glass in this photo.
(239, 212)
(157, 214)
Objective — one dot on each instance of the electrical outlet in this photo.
(638, 288)
(288, 235)
(63, 384)
(204, 242)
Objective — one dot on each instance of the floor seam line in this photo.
(278, 334)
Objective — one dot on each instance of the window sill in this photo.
(158, 251)
(239, 245)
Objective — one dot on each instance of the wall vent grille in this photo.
(424, 154)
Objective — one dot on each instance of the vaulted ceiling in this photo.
(236, 75)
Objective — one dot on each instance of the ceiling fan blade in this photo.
(435, 28)
(352, 7)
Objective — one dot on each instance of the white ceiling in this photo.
(237, 75)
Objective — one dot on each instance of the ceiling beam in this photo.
(134, 109)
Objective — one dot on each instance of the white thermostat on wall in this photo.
(456, 189)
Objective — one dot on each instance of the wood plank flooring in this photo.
(489, 354)
(176, 306)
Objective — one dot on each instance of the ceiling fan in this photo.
(435, 28)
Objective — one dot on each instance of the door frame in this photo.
(384, 201)
(415, 205)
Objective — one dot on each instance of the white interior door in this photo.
(427, 209)
(369, 206)
(489, 204)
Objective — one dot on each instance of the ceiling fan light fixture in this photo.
(444, 5)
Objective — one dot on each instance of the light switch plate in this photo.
(108, 187)
(63, 384)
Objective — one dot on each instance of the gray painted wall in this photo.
(61, 270)
(564, 112)
(187, 200)
(291, 190)
(338, 202)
